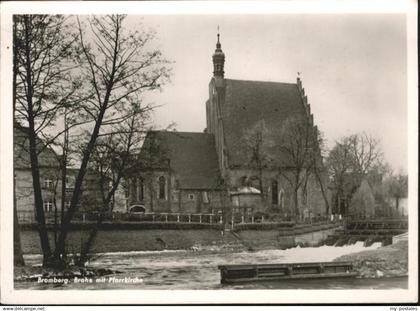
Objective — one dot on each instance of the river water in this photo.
(197, 269)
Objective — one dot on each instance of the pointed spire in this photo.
(218, 58)
(218, 45)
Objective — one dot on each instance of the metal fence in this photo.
(196, 218)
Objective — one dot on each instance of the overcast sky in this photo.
(353, 68)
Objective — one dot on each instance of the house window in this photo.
(162, 188)
(70, 182)
(191, 197)
(140, 191)
(48, 206)
(48, 183)
(274, 192)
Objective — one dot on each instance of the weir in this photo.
(368, 231)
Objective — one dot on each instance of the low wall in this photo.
(176, 239)
(266, 239)
(313, 238)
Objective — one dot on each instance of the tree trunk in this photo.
(40, 217)
(87, 246)
(324, 195)
(17, 247)
(295, 195)
(65, 226)
(295, 202)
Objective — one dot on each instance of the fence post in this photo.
(189, 218)
(200, 218)
(177, 218)
(166, 217)
(262, 219)
(243, 219)
(84, 217)
(252, 219)
(153, 217)
(211, 219)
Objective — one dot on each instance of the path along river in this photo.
(197, 269)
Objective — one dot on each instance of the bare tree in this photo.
(351, 160)
(339, 164)
(299, 145)
(319, 168)
(258, 143)
(365, 153)
(17, 247)
(119, 69)
(397, 187)
(43, 46)
(114, 156)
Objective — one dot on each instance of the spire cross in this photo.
(218, 34)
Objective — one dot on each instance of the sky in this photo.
(353, 68)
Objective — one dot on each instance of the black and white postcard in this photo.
(209, 152)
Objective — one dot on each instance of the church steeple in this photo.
(218, 59)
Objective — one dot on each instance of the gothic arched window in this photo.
(274, 192)
(162, 188)
(281, 198)
(140, 192)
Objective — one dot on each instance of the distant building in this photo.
(197, 168)
(49, 171)
(178, 173)
(50, 177)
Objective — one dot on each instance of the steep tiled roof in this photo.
(192, 157)
(47, 158)
(248, 102)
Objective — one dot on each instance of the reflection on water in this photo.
(198, 270)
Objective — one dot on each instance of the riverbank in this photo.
(176, 239)
(387, 261)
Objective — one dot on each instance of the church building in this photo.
(240, 160)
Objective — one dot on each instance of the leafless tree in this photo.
(351, 160)
(397, 187)
(115, 155)
(119, 68)
(17, 247)
(365, 154)
(258, 144)
(319, 168)
(299, 146)
(43, 46)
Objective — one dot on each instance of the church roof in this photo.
(248, 102)
(192, 157)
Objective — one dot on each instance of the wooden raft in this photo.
(285, 271)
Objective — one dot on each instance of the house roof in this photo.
(47, 158)
(248, 102)
(191, 156)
